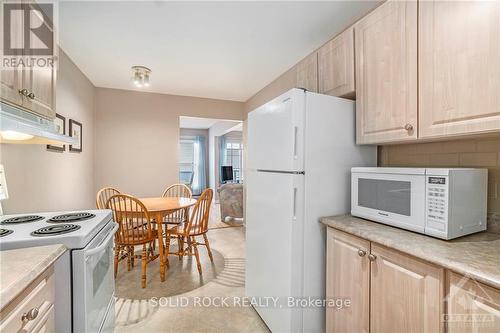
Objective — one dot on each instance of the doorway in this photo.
(205, 146)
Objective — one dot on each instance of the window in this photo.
(186, 158)
(192, 163)
(234, 158)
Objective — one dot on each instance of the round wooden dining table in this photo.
(158, 208)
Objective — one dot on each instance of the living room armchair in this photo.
(231, 201)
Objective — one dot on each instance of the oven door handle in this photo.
(104, 243)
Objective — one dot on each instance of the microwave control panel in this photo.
(437, 202)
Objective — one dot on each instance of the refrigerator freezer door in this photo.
(276, 133)
(274, 246)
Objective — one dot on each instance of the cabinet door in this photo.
(347, 276)
(336, 66)
(307, 73)
(406, 293)
(471, 306)
(11, 79)
(41, 83)
(386, 74)
(459, 67)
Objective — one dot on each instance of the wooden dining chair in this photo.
(197, 225)
(135, 228)
(178, 190)
(101, 200)
(182, 191)
(103, 196)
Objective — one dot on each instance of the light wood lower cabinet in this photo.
(348, 273)
(336, 66)
(406, 294)
(459, 67)
(389, 291)
(33, 310)
(471, 306)
(394, 292)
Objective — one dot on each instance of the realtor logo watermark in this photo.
(466, 296)
(28, 35)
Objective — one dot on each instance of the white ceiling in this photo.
(225, 50)
(196, 123)
(206, 123)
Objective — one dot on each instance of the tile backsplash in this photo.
(477, 153)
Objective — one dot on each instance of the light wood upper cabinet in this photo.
(11, 79)
(32, 89)
(336, 66)
(41, 84)
(459, 67)
(406, 293)
(471, 306)
(348, 275)
(307, 73)
(386, 73)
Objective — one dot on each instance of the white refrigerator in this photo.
(301, 148)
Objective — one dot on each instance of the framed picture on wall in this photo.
(60, 125)
(75, 131)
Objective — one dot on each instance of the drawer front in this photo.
(37, 298)
(46, 323)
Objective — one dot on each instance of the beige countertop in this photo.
(477, 255)
(18, 268)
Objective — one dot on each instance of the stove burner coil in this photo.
(71, 217)
(53, 230)
(22, 219)
(5, 232)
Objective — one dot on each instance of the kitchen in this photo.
(387, 111)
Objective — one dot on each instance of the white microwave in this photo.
(444, 203)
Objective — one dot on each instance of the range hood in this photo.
(22, 127)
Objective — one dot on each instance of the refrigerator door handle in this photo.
(295, 131)
(294, 203)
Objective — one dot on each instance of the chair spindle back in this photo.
(133, 219)
(198, 221)
(103, 196)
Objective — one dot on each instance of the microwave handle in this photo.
(104, 243)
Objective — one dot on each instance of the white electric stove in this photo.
(84, 275)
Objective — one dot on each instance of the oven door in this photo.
(396, 199)
(93, 281)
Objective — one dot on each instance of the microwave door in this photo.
(394, 199)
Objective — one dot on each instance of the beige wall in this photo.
(280, 85)
(41, 180)
(477, 153)
(137, 136)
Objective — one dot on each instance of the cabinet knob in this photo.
(23, 92)
(409, 127)
(31, 95)
(361, 253)
(372, 257)
(30, 315)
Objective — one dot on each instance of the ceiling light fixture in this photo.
(141, 76)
